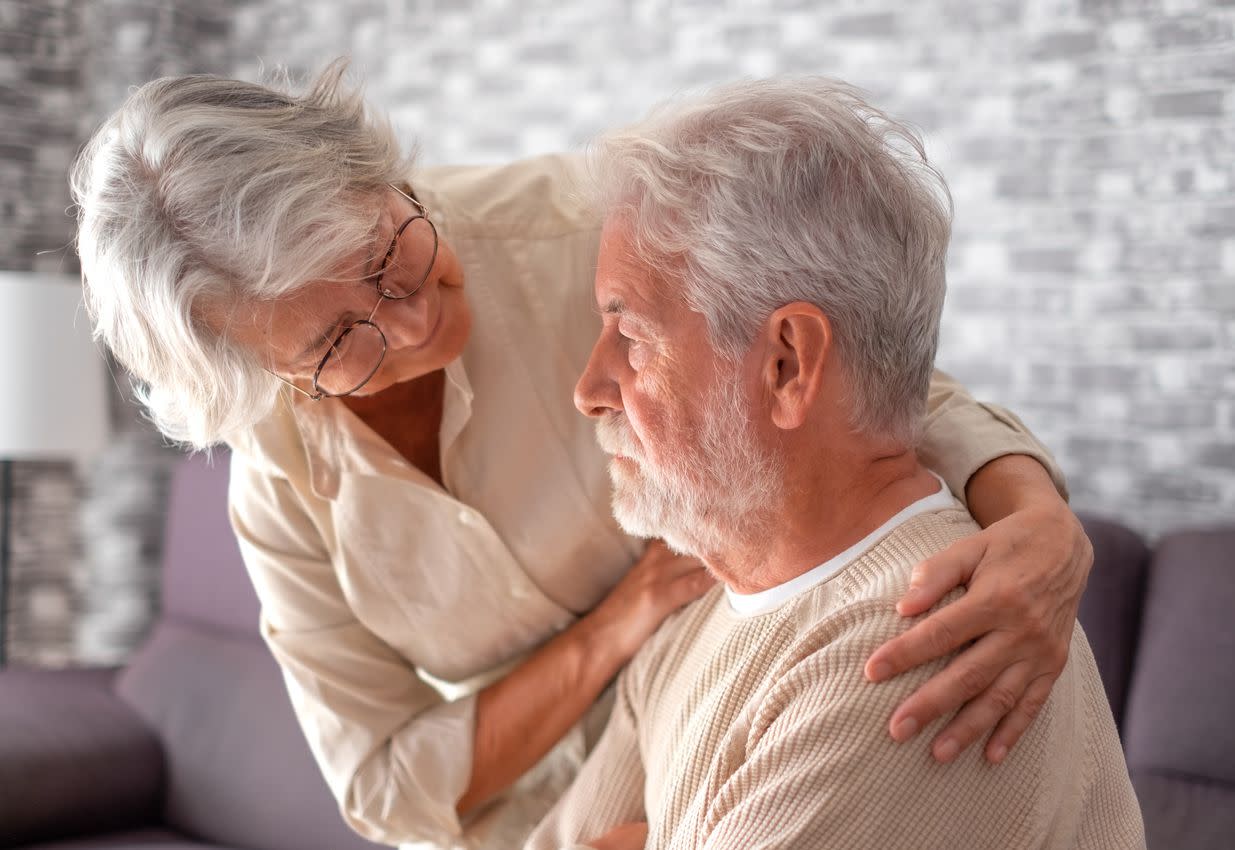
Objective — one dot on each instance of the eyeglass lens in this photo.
(415, 249)
(353, 360)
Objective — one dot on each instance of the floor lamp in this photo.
(52, 390)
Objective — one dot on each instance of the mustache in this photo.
(615, 437)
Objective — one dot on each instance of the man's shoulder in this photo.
(883, 571)
(836, 626)
(539, 197)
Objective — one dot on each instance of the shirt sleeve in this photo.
(963, 435)
(608, 790)
(395, 754)
(821, 771)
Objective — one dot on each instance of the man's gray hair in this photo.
(757, 194)
(203, 193)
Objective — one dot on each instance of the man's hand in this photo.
(628, 836)
(1025, 572)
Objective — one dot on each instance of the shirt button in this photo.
(467, 517)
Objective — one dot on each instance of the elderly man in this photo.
(771, 278)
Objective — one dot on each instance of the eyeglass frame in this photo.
(383, 295)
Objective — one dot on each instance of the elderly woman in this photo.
(422, 511)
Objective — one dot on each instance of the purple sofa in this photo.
(193, 744)
(1162, 628)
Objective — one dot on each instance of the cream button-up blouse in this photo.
(389, 600)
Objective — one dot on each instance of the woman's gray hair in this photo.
(204, 195)
(761, 193)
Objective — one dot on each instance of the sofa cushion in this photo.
(239, 771)
(1182, 696)
(1185, 814)
(74, 758)
(1110, 609)
(145, 839)
(204, 580)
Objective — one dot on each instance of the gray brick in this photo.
(1218, 221)
(1192, 31)
(550, 53)
(1107, 451)
(1194, 104)
(876, 25)
(1088, 377)
(62, 77)
(1103, 9)
(1190, 336)
(1031, 185)
(1183, 413)
(1044, 259)
(1219, 455)
(1064, 44)
(1177, 489)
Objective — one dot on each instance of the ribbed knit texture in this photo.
(763, 733)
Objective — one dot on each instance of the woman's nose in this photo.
(408, 322)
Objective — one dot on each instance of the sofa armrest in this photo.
(74, 757)
(1112, 605)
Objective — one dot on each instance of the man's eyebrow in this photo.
(617, 307)
(614, 307)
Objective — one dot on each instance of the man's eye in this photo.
(638, 352)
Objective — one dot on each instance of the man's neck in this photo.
(824, 512)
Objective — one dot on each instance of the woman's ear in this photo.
(799, 343)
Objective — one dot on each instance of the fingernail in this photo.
(947, 749)
(881, 671)
(998, 752)
(905, 730)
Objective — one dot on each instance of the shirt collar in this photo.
(337, 444)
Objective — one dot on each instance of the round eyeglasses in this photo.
(358, 351)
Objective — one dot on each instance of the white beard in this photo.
(718, 487)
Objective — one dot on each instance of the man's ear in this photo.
(797, 351)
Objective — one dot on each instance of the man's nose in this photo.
(596, 392)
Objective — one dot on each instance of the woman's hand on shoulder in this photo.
(659, 583)
(1025, 575)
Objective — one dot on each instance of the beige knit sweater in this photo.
(761, 732)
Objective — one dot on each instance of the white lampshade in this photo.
(53, 400)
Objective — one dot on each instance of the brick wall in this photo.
(1087, 142)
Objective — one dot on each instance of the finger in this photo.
(981, 714)
(670, 565)
(682, 569)
(943, 632)
(1013, 726)
(654, 548)
(935, 577)
(966, 676)
(688, 588)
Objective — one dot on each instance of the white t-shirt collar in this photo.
(754, 604)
